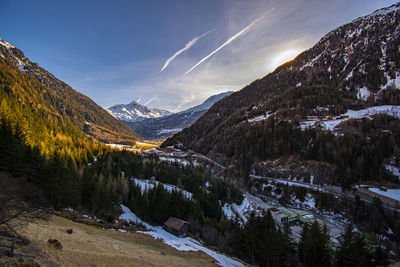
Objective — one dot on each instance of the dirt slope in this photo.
(92, 246)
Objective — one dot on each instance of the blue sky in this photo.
(113, 51)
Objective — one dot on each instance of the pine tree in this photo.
(352, 250)
(314, 246)
(288, 246)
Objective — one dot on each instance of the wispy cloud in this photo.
(187, 46)
(230, 40)
(140, 99)
(149, 101)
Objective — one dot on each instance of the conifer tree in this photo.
(352, 250)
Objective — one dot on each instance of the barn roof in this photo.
(175, 223)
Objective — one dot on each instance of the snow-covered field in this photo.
(146, 185)
(182, 244)
(175, 160)
(390, 193)
(261, 117)
(330, 125)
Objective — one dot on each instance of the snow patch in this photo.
(390, 193)
(167, 131)
(261, 117)
(331, 124)
(393, 170)
(175, 160)
(146, 185)
(181, 244)
(363, 93)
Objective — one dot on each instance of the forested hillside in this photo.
(287, 115)
(33, 97)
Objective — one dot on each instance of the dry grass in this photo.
(93, 246)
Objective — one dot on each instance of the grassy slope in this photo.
(93, 246)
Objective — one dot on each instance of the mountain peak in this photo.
(135, 112)
(6, 44)
(386, 10)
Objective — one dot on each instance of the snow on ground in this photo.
(393, 170)
(307, 124)
(390, 193)
(310, 201)
(261, 117)
(231, 211)
(228, 212)
(363, 93)
(298, 184)
(182, 244)
(165, 131)
(146, 185)
(392, 82)
(330, 125)
(175, 160)
(243, 209)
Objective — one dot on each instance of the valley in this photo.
(299, 168)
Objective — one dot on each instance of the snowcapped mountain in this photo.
(159, 128)
(135, 112)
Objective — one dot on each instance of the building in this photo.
(279, 217)
(177, 226)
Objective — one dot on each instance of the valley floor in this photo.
(93, 246)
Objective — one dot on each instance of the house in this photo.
(279, 217)
(177, 226)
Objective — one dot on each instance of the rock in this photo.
(69, 231)
(55, 243)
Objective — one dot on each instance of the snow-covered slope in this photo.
(182, 244)
(135, 112)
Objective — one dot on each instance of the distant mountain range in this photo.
(332, 113)
(135, 112)
(162, 127)
(30, 96)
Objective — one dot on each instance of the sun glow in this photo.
(281, 57)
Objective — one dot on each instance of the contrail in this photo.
(187, 46)
(230, 40)
(149, 101)
(140, 99)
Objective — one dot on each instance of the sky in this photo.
(169, 54)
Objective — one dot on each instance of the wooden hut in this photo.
(177, 226)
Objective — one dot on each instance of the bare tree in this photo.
(14, 212)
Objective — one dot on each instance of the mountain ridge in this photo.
(59, 97)
(135, 112)
(355, 66)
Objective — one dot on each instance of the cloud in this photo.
(187, 46)
(230, 40)
(140, 99)
(149, 101)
